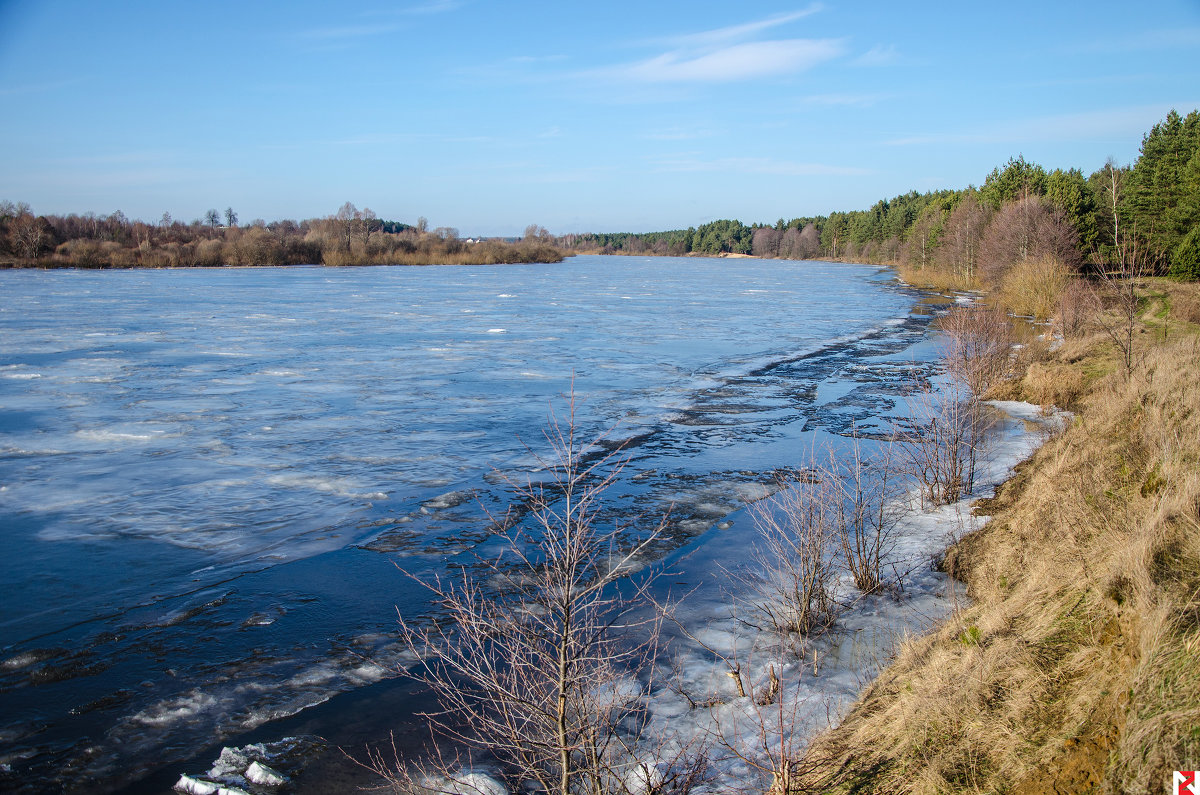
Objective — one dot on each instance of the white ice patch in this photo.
(196, 786)
(819, 677)
(340, 487)
(451, 499)
(104, 436)
(468, 784)
(175, 710)
(264, 776)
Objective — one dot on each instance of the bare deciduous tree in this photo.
(30, 235)
(348, 218)
(809, 245)
(1120, 279)
(941, 448)
(978, 345)
(868, 512)
(959, 249)
(765, 242)
(791, 581)
(1120, 282)
(1023, 230)
(544, 667)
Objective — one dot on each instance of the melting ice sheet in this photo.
(206, 476)
(822, 676)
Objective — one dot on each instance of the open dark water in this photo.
(206, 476)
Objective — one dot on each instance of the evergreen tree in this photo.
(1164, 188)
(1019, 179)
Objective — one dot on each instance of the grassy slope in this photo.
(1077, 666)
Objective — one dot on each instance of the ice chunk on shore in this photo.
(264, 776)
(196, 786)
(472, 784)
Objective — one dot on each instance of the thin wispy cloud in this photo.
(1162, 39)
(38, 88)
(729, 54)
(847, 100)
(535, 59)
(343, 32)
(131, 157)
(1113, 123)
(730, 64)
(566, 176)
(434, 7)
(756, 165)
(377, 140)
(731, 33)
(377, 23)
(678, 134)
(878, 55)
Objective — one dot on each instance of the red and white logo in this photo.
(1184, 783)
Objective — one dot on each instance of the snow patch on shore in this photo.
(822, 676)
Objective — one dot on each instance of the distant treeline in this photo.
(1149, 211)
(349, 237)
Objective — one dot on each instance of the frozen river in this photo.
(207, 475)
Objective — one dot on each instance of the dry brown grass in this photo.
(937, 277)
(1053, 384)
(1077, 303)
(1077, 666)
(1185, 303)
(1033, 288)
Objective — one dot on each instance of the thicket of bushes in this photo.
(349, 237)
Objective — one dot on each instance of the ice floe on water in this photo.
(256, 769)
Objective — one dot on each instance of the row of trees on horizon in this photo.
(1148, 212)
(348, 237)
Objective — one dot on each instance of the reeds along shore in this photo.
(1076, 667)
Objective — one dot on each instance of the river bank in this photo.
(821, 676)
(1073, 668)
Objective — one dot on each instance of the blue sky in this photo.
(633, 116)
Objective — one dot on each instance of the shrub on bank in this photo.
(1033, 288)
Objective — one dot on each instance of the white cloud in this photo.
(728, 54)
(728, 64)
